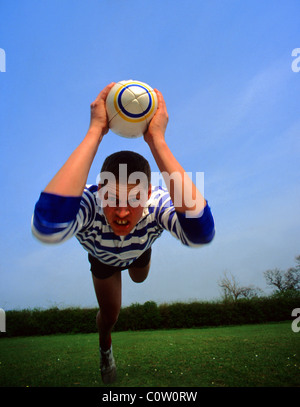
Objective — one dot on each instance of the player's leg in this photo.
(139, 274)
(139, 269)
(108, 292)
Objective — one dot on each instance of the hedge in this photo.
(152, 316)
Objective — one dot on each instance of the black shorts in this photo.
(101, 270)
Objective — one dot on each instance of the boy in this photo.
(118, 220)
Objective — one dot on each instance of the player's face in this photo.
(124, 207)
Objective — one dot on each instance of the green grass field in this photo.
(248, 355)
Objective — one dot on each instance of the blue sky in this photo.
(224, 68)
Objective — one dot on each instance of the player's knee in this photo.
(138, 275)
(113, 318)
(137, 279)
(109, 316)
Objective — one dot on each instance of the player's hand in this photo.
(159, 122)
(99, 120)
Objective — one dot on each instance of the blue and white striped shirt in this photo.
(58, 218)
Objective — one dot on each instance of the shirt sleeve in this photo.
(57, 218)
(191, 231)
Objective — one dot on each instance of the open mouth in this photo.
(121, 222)
(122, 227)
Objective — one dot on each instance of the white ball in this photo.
(130, 106)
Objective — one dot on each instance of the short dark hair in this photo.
(134, 161)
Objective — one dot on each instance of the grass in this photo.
(248, 355)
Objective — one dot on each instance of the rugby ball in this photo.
(130, 106)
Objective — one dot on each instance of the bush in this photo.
(50, 321)
(149, 315)
(137, 316)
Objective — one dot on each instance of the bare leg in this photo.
(109, 295)
(139, 274)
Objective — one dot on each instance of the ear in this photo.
(149, 191)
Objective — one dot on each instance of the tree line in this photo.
(239, 305)
(282, 281)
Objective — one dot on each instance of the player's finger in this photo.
(104, 92)
(162, 107)
(160, 99)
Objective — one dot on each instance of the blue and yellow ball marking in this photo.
(132, 117)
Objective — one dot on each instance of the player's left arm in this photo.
(184, 193)
(193, 213)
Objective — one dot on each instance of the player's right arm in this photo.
(62, 209)
(71, 179)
